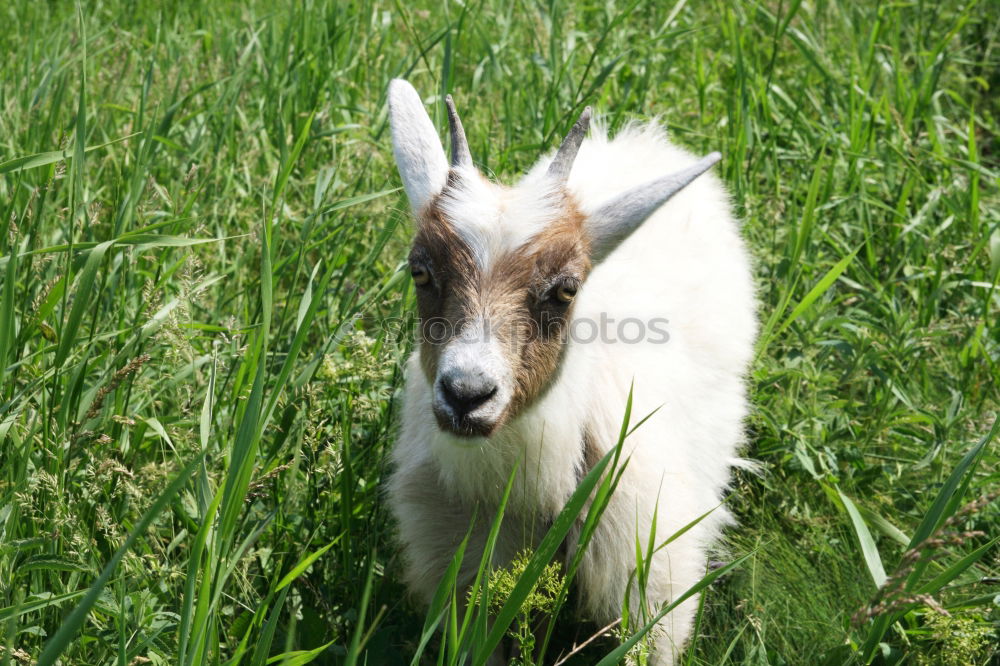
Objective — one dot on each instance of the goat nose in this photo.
(464, 393)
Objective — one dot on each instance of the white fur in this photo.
(418, 153)
(686, 264)
(496, 220)
(476, 351)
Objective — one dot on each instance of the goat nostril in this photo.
(464, 398)
(483, 397)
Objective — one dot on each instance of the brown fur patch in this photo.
(557, 253)
(514, 295)
(591, 452)
(455, 279)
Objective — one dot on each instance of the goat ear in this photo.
(615, 220)
(415, 143)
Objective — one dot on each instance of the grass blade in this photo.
(43, 159)
(543, 554)
(947, 499)
(81, 301)
(616, 655)
(818, 290)
(868, 547)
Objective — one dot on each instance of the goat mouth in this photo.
(466, 425)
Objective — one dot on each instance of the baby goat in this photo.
(540, 306)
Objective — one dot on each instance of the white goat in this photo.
(513, 286)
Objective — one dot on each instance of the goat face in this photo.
(496, 269)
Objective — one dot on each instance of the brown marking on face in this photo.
(455, 279)
(559, 253)
(515, 296)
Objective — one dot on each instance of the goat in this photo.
(596, 233)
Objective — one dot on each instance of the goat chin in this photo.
(687, 268)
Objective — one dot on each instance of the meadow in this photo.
(204, 314)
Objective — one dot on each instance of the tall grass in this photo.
(202, 321)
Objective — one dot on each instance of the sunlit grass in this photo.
(202, 325)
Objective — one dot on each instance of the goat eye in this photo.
(565, 293)
(421, 276)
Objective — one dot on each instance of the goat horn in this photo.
(613, 222)
(562, 163)
(460, 155)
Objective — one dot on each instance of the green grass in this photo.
(202, 325)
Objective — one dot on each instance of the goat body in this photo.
(664, 307)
